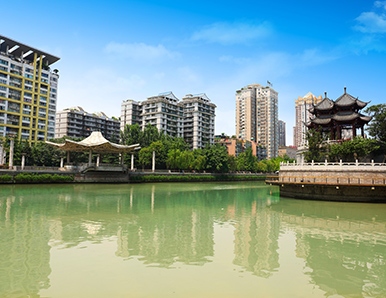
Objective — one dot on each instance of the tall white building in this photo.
(131, 111)
(257, 116)
(199, 115)
(282, 133)
(302, 116)
(28, 91)
(164, 112)
(191, 119)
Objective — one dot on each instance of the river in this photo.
(233, 239)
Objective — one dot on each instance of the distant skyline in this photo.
(118, 50)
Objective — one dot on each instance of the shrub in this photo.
(5, 178)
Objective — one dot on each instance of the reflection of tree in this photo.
(342, 243)
(25, 256)
(256, 237)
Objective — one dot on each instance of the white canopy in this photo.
(95, 143)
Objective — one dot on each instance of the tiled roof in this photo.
(347, 100)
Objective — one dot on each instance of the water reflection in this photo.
(343, 245)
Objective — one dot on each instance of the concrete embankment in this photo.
(348, 182)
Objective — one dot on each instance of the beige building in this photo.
(302, 115)
(76, 122)
(164, 112)
(192, 118)
(199, 114)
(290, 151)
(257, 117)
(131, 113)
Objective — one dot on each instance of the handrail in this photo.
(324, 180)
(333, 164)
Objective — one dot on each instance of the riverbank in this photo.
(132, 177)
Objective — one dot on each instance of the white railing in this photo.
(333, 165)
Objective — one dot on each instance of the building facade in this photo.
(193, 118)
(237, 146)
(302, 116)
(164, 112)
(28, 92)
(282, 133)
(290, 151)
(131, 113)
(199, 115)
(77, 123)
(257, 117)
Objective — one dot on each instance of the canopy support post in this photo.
(132, 162)
(153, 163)
(89, 158)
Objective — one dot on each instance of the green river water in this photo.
(236, 239)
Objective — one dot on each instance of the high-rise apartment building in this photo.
(76, 122)
(164, 112)
(257, 116)
(131, 111)
(302, 116)
(191, 119)
(282, 134)
(199, 114)
(28, 91)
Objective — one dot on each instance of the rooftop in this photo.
(24, 51)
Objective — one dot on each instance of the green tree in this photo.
(145, 157)
(173, 159)
(316, 149)
(216, 158)
(353, 149)
(377, 126)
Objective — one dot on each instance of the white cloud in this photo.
(370, 22)
(99, 90)
(140, 51)
(381, 4)
(232, 33)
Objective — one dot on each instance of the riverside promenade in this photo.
(341, 181)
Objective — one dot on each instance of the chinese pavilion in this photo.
(336, 116)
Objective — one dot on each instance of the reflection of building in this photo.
(76, 122)
(257, 116)
(28, 91)
(237, 146)
(302, 115)
(24, 250)
(257, 232)
(343, 246)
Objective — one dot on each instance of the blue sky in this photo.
(116, 50)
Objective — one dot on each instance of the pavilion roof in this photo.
(339, 117)
(347, 100)
(325, 105)
(96, 143)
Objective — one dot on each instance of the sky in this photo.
(117, 50)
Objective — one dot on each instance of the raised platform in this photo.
(347, 182)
